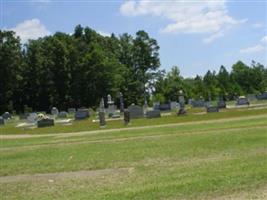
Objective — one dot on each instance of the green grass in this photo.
(87, 125)
(201, 159)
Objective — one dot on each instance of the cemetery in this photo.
(129, 136)
(133, 100)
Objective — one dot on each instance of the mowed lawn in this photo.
(212, 156)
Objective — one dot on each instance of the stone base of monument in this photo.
(102, 121)
(126, 117)
(45, 123)
(153, 114)
(115, 116)
(212, 109)
(2, 121)
(181, 111)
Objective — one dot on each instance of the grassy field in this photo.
(198, 156)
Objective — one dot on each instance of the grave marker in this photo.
(136, 111)
(54, 111)
(2, 121)
(45, 123)
(153, 114)
(242, 101)
(62, 114)
(82, 113)
(126, 117)
(6, 116)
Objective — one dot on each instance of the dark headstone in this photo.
(212, 109)
(82, 113)
(251, 97)
(62, 114)
(221, 104)
(7, 115)
(153, 114)
(164, 107)
(2, 121)
(198, 103)
(242, 101)
(262, 96)
(102, 120)
(126, 117)
(136, 111)
(45, 123)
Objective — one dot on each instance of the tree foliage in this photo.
(77, 70)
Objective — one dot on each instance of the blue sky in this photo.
(195, 35)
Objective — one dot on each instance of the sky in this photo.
(195, 35)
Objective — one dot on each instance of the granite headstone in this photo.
(153, 114)
(126, 117)
(82, 113)
(212, 109)
(62, 114)
(2, 121)
(45, 122)
(32, 118)
(102, 120)
(7, 116)
(136, 111)
(221, 104)
(242, 101)
(54, 111)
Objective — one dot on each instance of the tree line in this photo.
(74, 70)
(242, 80)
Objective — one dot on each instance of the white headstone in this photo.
(32, 118)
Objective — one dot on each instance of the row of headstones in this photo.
(80, 113)
(262, 96)
(133, 112)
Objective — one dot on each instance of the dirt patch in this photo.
(257, 194)
(53, 177)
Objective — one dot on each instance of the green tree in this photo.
(10, 71)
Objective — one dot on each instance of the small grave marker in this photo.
(45, 123)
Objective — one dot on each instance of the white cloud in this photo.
(257, 25)
(30, 29)
(257, 48)
(185, 16)
(253, 49)
(212, 37)
(264, 40)
(103, 33)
